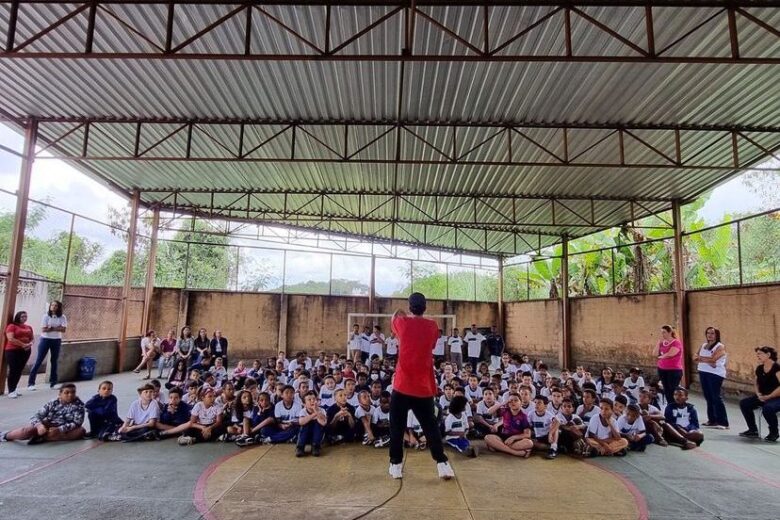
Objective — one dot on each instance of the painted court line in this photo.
(740, 469)
(48, 464)
(639, 498)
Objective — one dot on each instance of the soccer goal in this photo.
(363, 319)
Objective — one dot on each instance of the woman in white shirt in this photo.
(712, 372)
(53, 325)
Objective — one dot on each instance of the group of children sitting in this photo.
(516, 409)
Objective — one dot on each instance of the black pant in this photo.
(400, 404)
(671, 380)
(17, 359)
(769, 409)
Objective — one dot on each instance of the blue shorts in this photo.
(461, 444)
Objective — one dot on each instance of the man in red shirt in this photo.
(414, 386)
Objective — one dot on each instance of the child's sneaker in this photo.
(580, 448)
(299, 452)
(552, 454)
(31, 388)
(471, 452)
(315, 451)
(445, 470)
(2, 437)
(185, 440)
(382, 442)
(366, 441)
(396, 471)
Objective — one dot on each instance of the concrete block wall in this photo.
(104, 352)
(534, 328)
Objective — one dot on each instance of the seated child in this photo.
(141, 418)
(341, 419)
(262, 421)
(653, 418)
(286, 414)
(602, 435)
(632, 428)
(380, 421)
(485, 422)
(682, 422)
(363, 414)
(527, 399)
(58, 420)
(312, 421)
(514, 437)
(589, 407)
(327, 392)
(102, 412)
(256, 372)
(178, 376)
(174, 416)
(473, 392)
(446, 398)
(571, 430)
(619, 406)
(634, 384)
(239, 374)
(192, 393)
(205, 420)
(234, 413)
(545, 427)
(414, 437)
(456, 427)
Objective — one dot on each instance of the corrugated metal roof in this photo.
(444, 92)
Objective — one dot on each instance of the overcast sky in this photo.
(65, 187)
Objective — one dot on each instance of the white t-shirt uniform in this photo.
(473, 394)
(573, 420)
(541, 423)
(375, 347)
(474, 342)
(353, 400)
(413, 424)
(445, 404)
(206, 416)
(53, 321)
(720, 365)
(628, 429)
(380, 418)
(634, 387)
(482, 410)
(438, 349)
(454, 424)
(528, 409)
(360, 412)
(392, 346)
(287, 415)
(139, 415)
(586, 416)
(326, 397)
(355, 341)
(598, 430)
(365, 343)
(682, 416)
(456, 345)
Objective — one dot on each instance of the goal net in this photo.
(446, 322)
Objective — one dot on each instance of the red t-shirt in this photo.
(23, 333)
(414, 369)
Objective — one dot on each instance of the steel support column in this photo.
(372, 286)
(500, 323)
(123, 318)
(565, 358)
(150, 268)
(680, 294)
(17, 237)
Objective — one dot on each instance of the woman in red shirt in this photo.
(18, 345)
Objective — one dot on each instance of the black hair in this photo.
(606, 400)
(68, 386)
(288, 387)
(155, 383)
(384, 395)
(147, 386)
(458, 405)
(542, 398)
(633, 408)
(310, 392)
(768, 350)
(622, 400)
(58, 312)
(175, 390)
(192, 384)
(18, 317)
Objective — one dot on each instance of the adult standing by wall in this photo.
(767, 396)
(455, 343)
(219, 347)
(414, 386)
(670, 363)
(495, 345)
(18, 346)
(711, 361)
(474, 339)
(53, 325)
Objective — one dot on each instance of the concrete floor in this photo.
(727, 478)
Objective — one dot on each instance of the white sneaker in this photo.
(31, 388)
(13, 395)
(445, 470)
(396, 470)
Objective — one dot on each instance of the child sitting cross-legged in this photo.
(341, 419)
(205, 420)
(603, 435)
(632, 428)
(456, 425)
(286, 418)
(141, 418)
(174, 415)
(312, 421)
(102, 412)
(545, 427)
(414, 437)
(261, 423)
(571, 429)
(515, 435)
(380, 421)
(58, 420)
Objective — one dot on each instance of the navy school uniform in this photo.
(103, 416)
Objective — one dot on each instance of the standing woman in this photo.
(767, 396)
(712, 371)
(670, 363)
(53, 325)
(185, 346)
(18, 346)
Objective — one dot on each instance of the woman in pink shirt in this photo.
(670, 364)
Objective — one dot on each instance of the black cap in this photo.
(417, 303)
